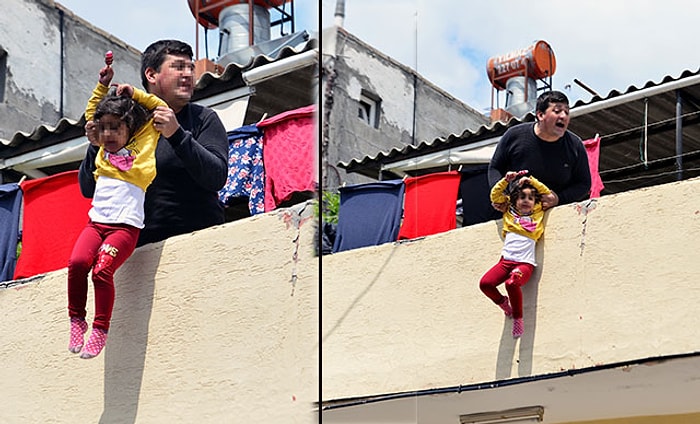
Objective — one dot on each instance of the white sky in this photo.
(606, 44)
(139, 22)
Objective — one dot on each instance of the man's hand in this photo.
(125, 90)
(91, 133)
(106, 75)
(549, 200)
(500, 207)
(165, 121)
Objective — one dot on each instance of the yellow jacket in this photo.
(530, 226)
(142, 146)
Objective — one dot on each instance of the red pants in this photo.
(515, 275)
(104, 248)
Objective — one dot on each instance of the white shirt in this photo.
(519, 248)
(117, 202)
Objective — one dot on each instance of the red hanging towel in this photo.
(430, 204)
(593, 151)
(54, 215)
(289, 154)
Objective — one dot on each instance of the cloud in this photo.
(608, 45)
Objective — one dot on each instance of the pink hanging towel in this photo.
(289, 153)
(430, 204)
(54, 215)
(593, 151)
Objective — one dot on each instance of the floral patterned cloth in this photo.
(246, 176)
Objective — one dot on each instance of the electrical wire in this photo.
(642, 177)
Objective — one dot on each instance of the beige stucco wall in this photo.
(405, 317)
(207, 328)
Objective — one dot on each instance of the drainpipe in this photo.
(61, 30)
(339, 13)
(331, 74)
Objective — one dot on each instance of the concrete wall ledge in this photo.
(207, 327)
(616, 282)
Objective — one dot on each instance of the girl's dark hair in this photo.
(125, 108)
(515, 191)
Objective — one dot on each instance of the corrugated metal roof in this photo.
(619, 118)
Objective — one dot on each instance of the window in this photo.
(368, 109)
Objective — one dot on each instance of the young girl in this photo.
(522, 227)
(125, 166)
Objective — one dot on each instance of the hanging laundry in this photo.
(474, 190)
(10, 202)
(289, 153)
(54, 215)
(246, 176)
(369, 214)
(430, 204)
(593, 151)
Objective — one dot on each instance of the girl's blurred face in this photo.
(525, 201)
(113, 133)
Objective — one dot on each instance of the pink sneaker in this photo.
(505, 305)
(95, 343)
(78, 328)
(518, 328)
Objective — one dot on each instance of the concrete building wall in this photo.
(614, 283)
(351, 66)
(32, 35)
(207, 327)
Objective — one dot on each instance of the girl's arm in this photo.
(498, 194)
(97, 94)
(539, 186)
(147, 100)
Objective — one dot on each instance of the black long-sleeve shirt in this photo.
(561, 165)
(191, 167)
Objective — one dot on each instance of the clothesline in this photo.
(652, 125)
(642, 177)
(651, 163)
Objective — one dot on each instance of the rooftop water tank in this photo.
(535, 61)
(233, 18)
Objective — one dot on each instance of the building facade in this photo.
(49, 60)
(371, 103)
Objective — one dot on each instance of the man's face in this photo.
(554, 121)
(174, 83)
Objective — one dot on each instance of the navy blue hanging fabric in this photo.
(369, 214)
(10, 202)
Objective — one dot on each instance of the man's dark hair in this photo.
(126, 109)
(549, 97)
(154, 55)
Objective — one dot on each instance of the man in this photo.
(548, 150)
(192, 153)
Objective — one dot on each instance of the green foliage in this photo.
(330, 205)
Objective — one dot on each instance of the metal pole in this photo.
(339, 13)
(679, 136)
